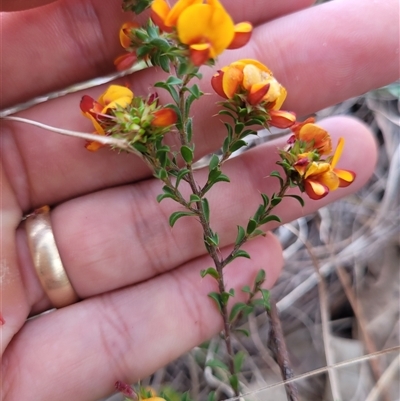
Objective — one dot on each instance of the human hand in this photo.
(144, 303)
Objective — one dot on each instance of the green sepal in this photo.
(187, 154)
(211, 271)
(297, 197)
(240, 235)
(251, 226)
(217, 299)
(271, 217)
(177, 215)
(160, 44)
(215, 363)
(238, 360)
(164, 62)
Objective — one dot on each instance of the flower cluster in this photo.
(304, 164)
(249, 83)
(118, 112)
(195, 29)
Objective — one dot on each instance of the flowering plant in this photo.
(180, 40)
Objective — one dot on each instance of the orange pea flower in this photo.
(164, 118)
(115, 96)
(320, 177)
(205, 27)
(253, 79)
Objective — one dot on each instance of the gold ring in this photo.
(47, 260)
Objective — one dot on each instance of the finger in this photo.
(125, 335)
(126, 228)
(306, 67)
(14, 304)
(75, 40)
(19, 5)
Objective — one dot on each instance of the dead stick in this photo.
(277, 345)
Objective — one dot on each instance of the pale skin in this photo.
(144, 303)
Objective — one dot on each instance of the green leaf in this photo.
(251, 226)
(189, 128)
(266, 298)
(229, 129)
(247, 132)
(276, 200)
(212, 396)
(257, 233)
(234, 382)
(222, 178)
(160, 44)
(213, 162)
(265, 200)
(161, 174)
(239, 127)
(269, 218)
(237, 145)
(194, 198)
(164, 63)
(277, 174)
(188, 103)
(165, 196)
(211, 271)
(227, 113)
(187, 154)
(195, 91)
(243, 331)
(236, 310)
(217, 298)
(260, 278)
(180, 175)
(215, 363)
(172, 91)
(246, 289)
(225, 297)
(206, 209)
(177, 215)
(240, 235)
(172, 80)
(240, 253)
(297, 197)
(260, 211)
(238, 360)
(213, 240)
(225, 145)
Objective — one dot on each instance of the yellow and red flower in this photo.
(206, 28)
(320, 177)
(313, 136)
(96, 110)
(254, 80)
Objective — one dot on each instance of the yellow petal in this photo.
(251, 76)
(315, 169)
(177, 9)
(202, 23)
(280, 99)
(346, 177)
(231, 81)
(329, 179)
(114, 92)
(315, 190)
(338, 152)
(121, 101)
